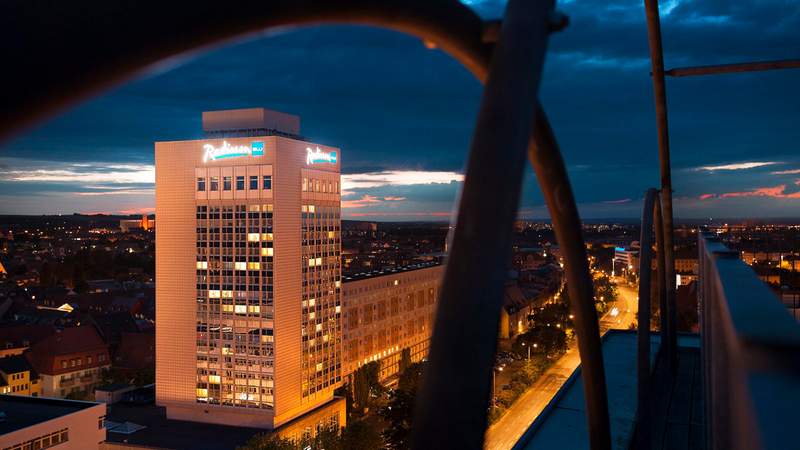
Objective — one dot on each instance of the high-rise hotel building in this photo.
(248, 274)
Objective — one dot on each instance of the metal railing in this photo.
(652, 223)
(750, 355)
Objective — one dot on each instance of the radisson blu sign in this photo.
(318, 156)
(227, 150)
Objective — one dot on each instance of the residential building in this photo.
(70, 362)
(38, 423)
(387, 312)
(17, 377)
(247, 272)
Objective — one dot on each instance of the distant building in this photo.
(38, 423)
(18, 377)
(625, 259)
(15, 339)
(70, 361)
(387, 312)
(515, 312)
(145, 223)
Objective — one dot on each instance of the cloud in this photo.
(737, 166)
(26, 170)
(365, 200)
(617, 202)
(397, 178)
(394, 199)
(773, 192)
(786, 172)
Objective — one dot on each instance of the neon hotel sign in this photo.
(318, 156)
(256, 148)
(227, 150)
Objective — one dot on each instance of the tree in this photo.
(359, 435)
(400, 410)
(405, 359)
(268, 441)
(366, 385)
(550, 340)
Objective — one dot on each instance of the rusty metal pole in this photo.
(758, 66)
(644, 408)
(459, 376)
(660, 94)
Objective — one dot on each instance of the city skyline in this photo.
(408, 134)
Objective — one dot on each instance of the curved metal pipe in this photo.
(551, 173)
(644, 408)
(80, 48)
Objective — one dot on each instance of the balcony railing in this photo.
(750, 355)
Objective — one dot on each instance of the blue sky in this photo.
(403, 116)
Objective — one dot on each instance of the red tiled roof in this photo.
(70, 343)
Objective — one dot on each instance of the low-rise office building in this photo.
(39, 423)
(387, 312)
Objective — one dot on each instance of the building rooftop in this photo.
(22, 411)
(392, 271)
(161, 432)
(250, 122)
(14, 364)
(563, 425)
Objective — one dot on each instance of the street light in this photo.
(529, 350)
(494, 383)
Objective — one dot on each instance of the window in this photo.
(226, 183)
(240, 182)
(253, 182)
(201, 184)
(64, 364)
(214, 183)
(88, 360)
(267, 182)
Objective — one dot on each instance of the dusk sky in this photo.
(403, 116)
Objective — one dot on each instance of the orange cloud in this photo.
(773, 192)
(394, 199)
(141, 210)
(365, 200)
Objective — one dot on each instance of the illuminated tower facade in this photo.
(248, 276)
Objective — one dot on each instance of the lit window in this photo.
(254, 266)
(240, 309)
(305, 184)
(319, 327)
(311, 208)
(201, 184)
(311, 262)
(240, 182)
(319, 261)
(240, 265)
(215, 379)
(226, 183)
(266, 251)
(266, 236)
(252, 237)
(202, 264)
(214, 183)
(253, 183)
(213, 294)
(227, 294)
(267, 184)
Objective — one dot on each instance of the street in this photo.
(507, 431)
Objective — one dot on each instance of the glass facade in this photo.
(235, 353)
(321, 297)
